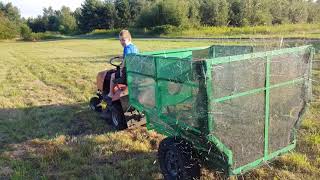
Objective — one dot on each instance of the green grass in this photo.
(285, 31)
(48, 132)
(276, 31)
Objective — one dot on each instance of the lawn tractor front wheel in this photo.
(177, 160)
(95, 104)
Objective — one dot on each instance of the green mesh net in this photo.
(244, 100)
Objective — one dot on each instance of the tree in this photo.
(9, 21)
(193, 13)
(95, 14)
(136, 6)
(166, 12)
(67, 21)
(108, 16)
(37, 24)
(123, 13)
(279, 11)
(50, 19)
(313, 12)
(11, 12)
(8, 29)
(236, 13)
(298, 11)
(87, 20)
(256, 12)
(214, 12)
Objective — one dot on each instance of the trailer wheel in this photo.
(177, 160)
(117, 116)
(94, 102)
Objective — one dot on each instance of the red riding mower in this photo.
(121, 114)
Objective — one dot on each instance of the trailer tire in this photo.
(177, 160)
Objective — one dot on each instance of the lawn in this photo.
(48, 132)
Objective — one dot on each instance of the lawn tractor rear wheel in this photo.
(177, 160)
(95, 104)
(118, 119)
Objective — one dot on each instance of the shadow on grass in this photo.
(21, 124)
(72, 163)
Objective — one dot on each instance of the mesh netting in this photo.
(237, 77)
(233, 93)
(239, 124)
(286, 104)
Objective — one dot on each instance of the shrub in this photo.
(45, 36)
(164, 29)
(25, 32)
(39, 36)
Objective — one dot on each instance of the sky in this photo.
(33, 8)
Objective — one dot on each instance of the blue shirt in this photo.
(130, 49)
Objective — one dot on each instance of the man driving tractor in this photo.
(106, 79)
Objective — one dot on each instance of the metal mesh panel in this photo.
(184, 103)
(174, 69)
(239, 124)
(286, 104)
(156, 123)
(288, 67)
(141, 64)
(179, 85)
(142, 90)
(223, 51)
(235, 77)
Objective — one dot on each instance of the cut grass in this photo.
(48, 132)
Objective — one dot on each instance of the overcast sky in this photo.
(33, 8)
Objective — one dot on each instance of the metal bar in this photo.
(260, 161)
(254, 91)
(209, 92)
(247, 167)
(138, 73)
(281, 151)
(312, 51)
(267, 107)
(157, 88)
(173, 51)
(222, 148)
(228, 59)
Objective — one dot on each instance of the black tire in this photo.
(94, 102)
(177, 160)
(118, 119)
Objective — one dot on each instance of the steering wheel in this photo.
(116, 61)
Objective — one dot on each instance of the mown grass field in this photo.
(48, 132)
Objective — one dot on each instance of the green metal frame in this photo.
(181, 127)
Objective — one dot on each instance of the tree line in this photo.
(96, 14)
(110, 14)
